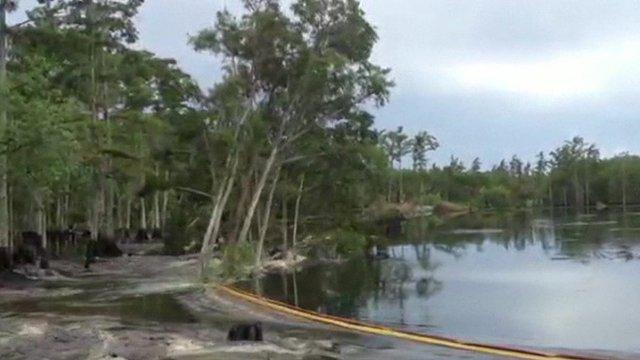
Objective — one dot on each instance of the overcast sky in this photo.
(488, 78)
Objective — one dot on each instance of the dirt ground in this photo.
(154, 307)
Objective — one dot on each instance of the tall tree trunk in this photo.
(266, 217)
(551, 201)
(156, 210)
(245, 190)
(295, 289)
(219, 205)
(67, 206)
(41, 213)
(586, 194)
(4, 96)
(11, 230)
(165, 204)
(43, 229)
(143, 215)
(95, 217)
(296, 214)
(577, 193)
(127, 222)
(258, 222)
(110, 229)
(400, 183)
(156, 203)
(59, 213)
(120, 211)
(246, 225)
(285, 223)
(624, 189)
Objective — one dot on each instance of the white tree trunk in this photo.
(41, 213)
(216, 216)
(58, 213)
(95, 216)
(285, 223)
(109, 216)
(127, 222)
(156, 210)
(165, 204)
(11, 223)
(143, 214)
(266, 217)
(246, 225)
(43, 228)
(297, 212)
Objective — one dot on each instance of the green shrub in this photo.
(349, 243)
(497, 197)
(183, 235)
(430, 199)
(237, 260)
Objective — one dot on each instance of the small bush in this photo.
(349, 243)
(497, 197)
(181, 233)
(237, 260)
(430, 199)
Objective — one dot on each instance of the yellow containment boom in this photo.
(400, 334)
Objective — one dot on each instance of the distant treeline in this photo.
(573, 175)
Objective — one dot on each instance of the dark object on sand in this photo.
(156, 234)
(5, 259)
(246, 332)
(142, 235)
(89, 253)
(44, 263)
(31, 251)
(107, 248)
(100, 248)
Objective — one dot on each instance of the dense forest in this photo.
(574, 175)
(100, 136)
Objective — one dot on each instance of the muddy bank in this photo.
(153, 307)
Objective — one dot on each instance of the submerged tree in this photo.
(292, 74)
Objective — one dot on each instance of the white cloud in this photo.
(563, 76)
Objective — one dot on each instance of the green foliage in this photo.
(430, 199)
(183, 230)
(498, 197)
(349, 243)
(101, 128)
(237, 260)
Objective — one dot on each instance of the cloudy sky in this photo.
(489, 78)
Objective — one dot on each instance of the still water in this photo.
(541, 281)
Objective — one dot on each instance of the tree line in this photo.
(97, 134)
(574, 175)
(100, 135)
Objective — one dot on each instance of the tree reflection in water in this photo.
(363, 286)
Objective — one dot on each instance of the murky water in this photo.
(539, 281)
(107, 299)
